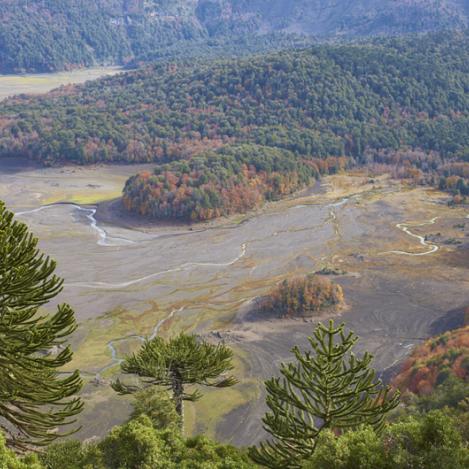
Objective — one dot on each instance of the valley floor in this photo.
(43, 82)
(404, 251)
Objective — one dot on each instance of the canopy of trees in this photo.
(388, 95)
(397, 103)
(139, 445)
(435, 440)
(433, 362)
(303, 296)
(431, 441)
(231, 180)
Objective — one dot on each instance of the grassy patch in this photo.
(93, 352)
(205, 415)
(104, 408)
(83, 198)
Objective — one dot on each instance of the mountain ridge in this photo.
(50, 35)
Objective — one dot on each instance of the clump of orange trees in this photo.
(234, 179)
(302, 296)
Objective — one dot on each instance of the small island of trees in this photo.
(302, 297)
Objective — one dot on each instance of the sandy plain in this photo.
(43, 82)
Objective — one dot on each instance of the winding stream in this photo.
(115, 360)
(405, 227)
(103, 240)
(112, 343)
(188, 265)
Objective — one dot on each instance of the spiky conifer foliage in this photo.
(34, 399)
(177, 362)
(328, 389)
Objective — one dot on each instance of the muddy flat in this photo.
(395, 243)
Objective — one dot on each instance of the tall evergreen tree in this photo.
(328, 389)
(34, 398)
(180, 361)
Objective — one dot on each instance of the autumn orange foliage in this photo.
(432, 362)
(303, 296)
(233, 180)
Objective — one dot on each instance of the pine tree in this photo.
(34, 398)
(328, 389)
(173, 364)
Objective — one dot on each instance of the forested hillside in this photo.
(400, 103)
(322, 101)
(435, 361)
(326, 18)
(51, 35)
(48, 35)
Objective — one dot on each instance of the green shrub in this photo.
(431, 441)
(8, 459)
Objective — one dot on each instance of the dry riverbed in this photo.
(403, 252)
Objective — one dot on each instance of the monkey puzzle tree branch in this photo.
(330, 388)
(34, 399)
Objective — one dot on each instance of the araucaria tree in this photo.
(34, 399)
(328, 389)
(180, 361)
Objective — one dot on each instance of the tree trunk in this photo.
(178, 392)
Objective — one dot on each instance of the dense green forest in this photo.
(399, 104)
(54, 35)
(51, 35)
(323, 101)
(48, 35)
(429, 440)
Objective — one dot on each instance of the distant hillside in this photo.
(363, 101)
(400, 103)
(48, 35)
(334, 17)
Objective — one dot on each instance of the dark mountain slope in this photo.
(47, 35)
(339, 17)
